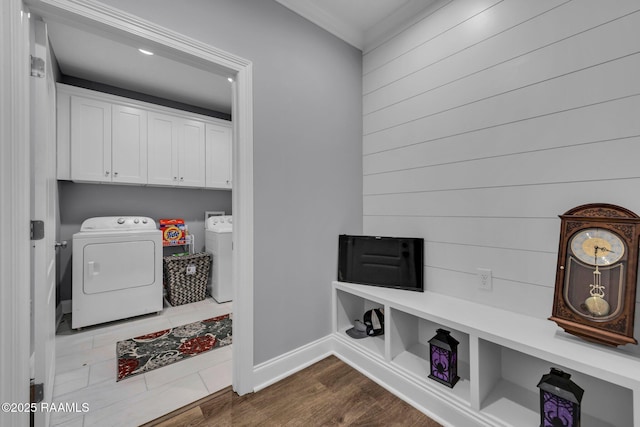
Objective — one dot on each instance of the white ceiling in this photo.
(100, 58)
(114, 60)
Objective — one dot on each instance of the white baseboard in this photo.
(58, 315)
(278, 368)
(447, 413)
(66, 306)
(61, 309)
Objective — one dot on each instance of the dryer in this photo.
(218, 242)
(116, 270)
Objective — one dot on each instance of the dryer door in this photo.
(118, 265)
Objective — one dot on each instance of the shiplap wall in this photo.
(484, 120)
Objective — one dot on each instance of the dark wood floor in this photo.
(327, 393)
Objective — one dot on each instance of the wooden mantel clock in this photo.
(595, 291)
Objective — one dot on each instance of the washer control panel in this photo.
(107, 223)
(220, 223)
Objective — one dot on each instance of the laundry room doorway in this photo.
(123, 26)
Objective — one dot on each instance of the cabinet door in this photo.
(90, 140)
(219, 156)
(162, 151)
(129, 145)
(191, 155)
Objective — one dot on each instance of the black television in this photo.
(392, 262)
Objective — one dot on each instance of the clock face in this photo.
(597, 246)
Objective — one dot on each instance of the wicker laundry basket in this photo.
(185, 277)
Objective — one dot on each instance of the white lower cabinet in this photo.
(501, 358)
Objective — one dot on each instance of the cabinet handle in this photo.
(175, 178)
(182, 178)
(106, 173)
(115, 174)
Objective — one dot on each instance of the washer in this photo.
(218, 238)
(116, 270)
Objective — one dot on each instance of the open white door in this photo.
(43, 208)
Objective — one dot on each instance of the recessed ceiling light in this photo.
(146, 52)
(230, 79)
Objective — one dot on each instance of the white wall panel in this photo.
(485, 121)
(600, 45)
(535, 268)
(589, 86)
(530, 201)
(557, 22)
(583, 125)
(539, 235)
(437, 23)
(549, 166)
(525, 298)
(491, 22)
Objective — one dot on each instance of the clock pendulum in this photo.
(596, 304)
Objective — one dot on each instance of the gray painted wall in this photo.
(81, 201)
(307, 153)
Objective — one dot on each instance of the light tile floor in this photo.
(86, 371)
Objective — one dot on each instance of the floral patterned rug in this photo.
(147, 352)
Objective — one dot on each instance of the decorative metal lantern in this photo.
(559, 400)
(444, 358)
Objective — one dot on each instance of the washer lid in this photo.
(220, 224)
(118, 223)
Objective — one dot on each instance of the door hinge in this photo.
(37, 392)
(37, 66)
(37, 230)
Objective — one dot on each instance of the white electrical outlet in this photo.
(485, 279)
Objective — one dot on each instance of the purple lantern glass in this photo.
(559, 400)
(444, 358)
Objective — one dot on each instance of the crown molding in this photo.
(307, 9)
(409, 14)
(368, 38)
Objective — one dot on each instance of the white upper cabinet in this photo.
(128, 145)
(109, 139)
(219, 156)
(176, 151)
(90, 140)
(191, 153)
(163, 150)
(108, 142)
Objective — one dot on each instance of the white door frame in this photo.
(14, 210)
(44, 207)
(119, 23)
